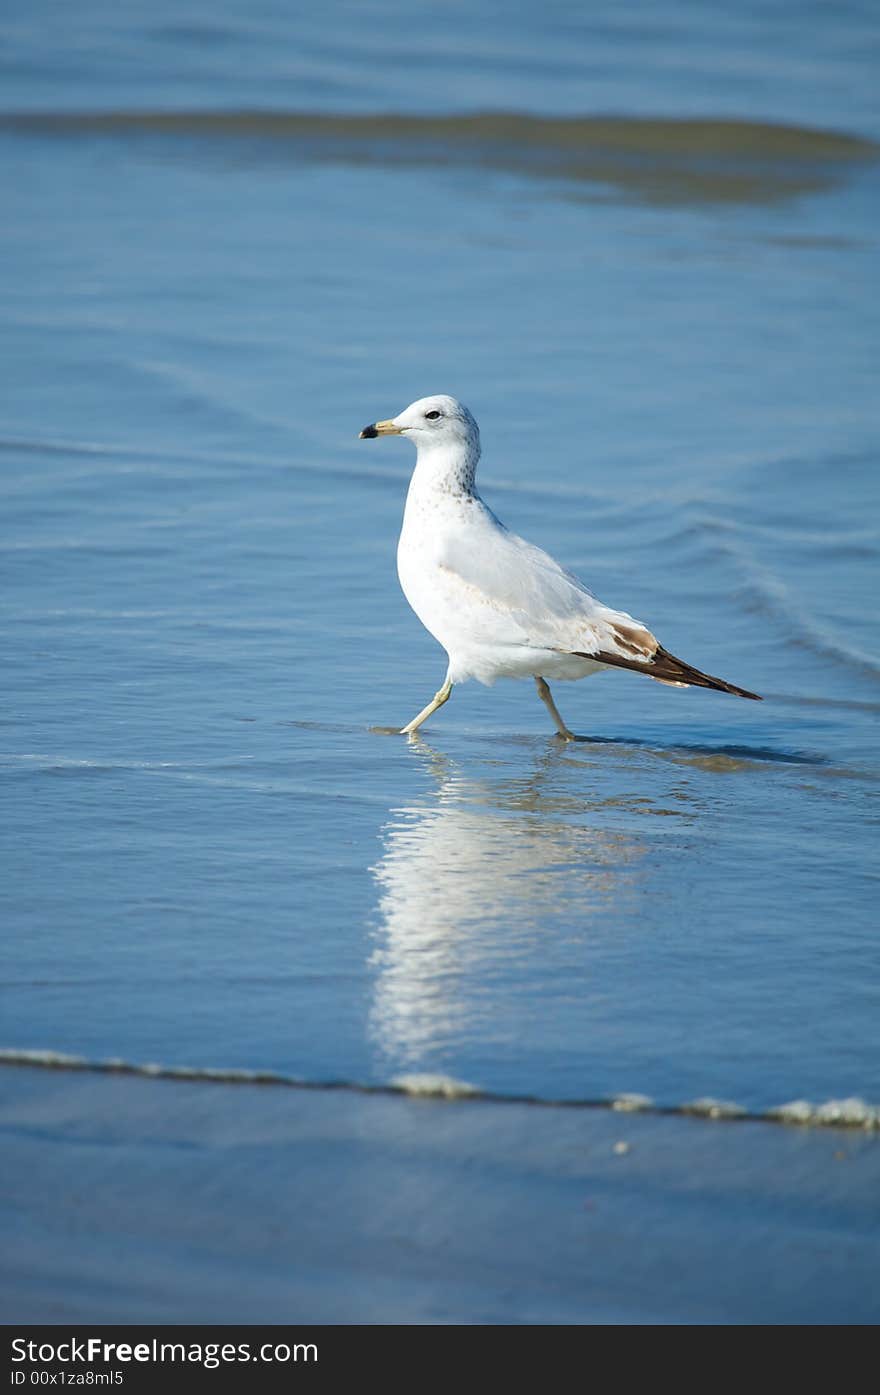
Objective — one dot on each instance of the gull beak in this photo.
(380, 428)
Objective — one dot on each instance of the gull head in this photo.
(432, 422)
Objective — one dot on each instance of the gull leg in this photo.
(547, 698)
(437, 701)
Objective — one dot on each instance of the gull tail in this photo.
(666, 668)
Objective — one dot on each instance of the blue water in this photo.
(668, 331)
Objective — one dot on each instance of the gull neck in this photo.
(447, 469)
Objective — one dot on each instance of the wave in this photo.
(851, 1112)
(662, 160)
(158, 458)
(761, 591)
(844, 704)
(764, 593)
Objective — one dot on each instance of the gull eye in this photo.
(432, 416)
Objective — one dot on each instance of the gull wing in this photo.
(525, 593)
(522, 594)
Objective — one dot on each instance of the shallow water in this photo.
(652, 280)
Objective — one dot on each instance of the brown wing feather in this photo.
(666, 668)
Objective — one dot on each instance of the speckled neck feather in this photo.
(448, 469)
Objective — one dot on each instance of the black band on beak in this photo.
(368, 433)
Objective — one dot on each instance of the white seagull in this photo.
(500, 607)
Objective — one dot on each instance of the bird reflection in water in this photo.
(491, 891)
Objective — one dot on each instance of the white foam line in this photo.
(851, 1112)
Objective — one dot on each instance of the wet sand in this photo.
(133, 1200)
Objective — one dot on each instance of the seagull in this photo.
(499, 606)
